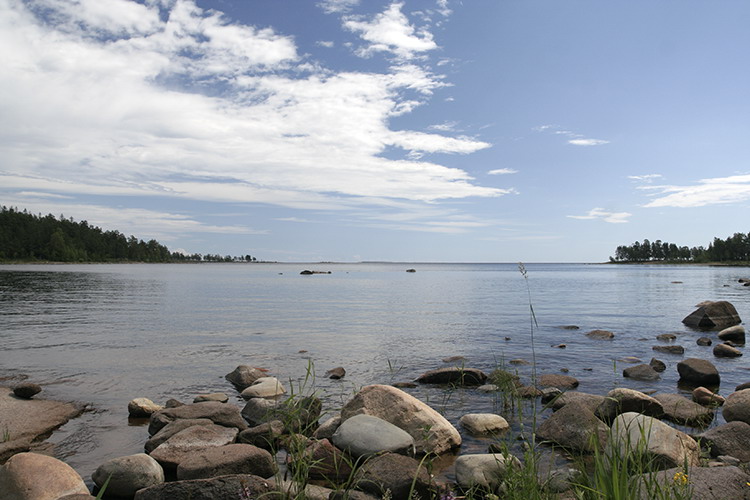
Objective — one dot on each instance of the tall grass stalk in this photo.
(533, 324)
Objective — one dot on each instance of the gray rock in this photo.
(327, 428)
(732, 439)
(171, 429)
(264, 387)
(27, 390)
(666, 337)
(220, 413)
(453, 375)
(737, 406)
(682, 411)
(219, 397)
(734, 333)
(31, 476)
(704, 341)
(260, 411)
(482, 424)
(574, 427)
(336, 373)
(726, 351)
(397, 473)
(715, 483)
(641, 372)
(669, 349)
(657, 365)
(243, 376)
(744, 385)
(485, 470)
(562, 382)
(188, 441)
(622, 400)
(590, 401)
(225, 460)
(264, 436)
(322, 460)
(126, 475)
(600, 335)
(231, 486)
(699, 372)
(365, 435)
(488, 388)
(706, 397)
(142, 408)
(713, 316)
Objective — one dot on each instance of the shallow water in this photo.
(105, 334)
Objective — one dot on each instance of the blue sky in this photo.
(346, 130)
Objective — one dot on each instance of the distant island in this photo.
(732, 250)
(25, 237)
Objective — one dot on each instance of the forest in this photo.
(29, 237)
(735, 248)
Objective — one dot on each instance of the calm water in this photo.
(105, 334)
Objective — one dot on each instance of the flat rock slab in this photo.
(28, 421)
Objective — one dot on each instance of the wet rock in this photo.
(664, 445)
(488, 388)
(600, 335)
(720, 483)
(171, 429)
(397, 473)
(590, 401)
(27, 390)
(732, 438)
(562, 382)
(682, 411)
(327, 428)
(704, 341)
(573, 427)
(173, 403)
(365, 435)
(453, 375)
(324, 461)
(126, 475)
(726, 351)
(453, 359)
(264, 387)
(31, 476)
(225, 460)
(560, 346)
(666, 337)
(264, 436)
(485, 470)
(669, 349)
(336, 373)
(713, 316)
(569, 327)
(142, 408)
(706, 397)
(657, 365)
(641, 372)
(482, 424)
(698, 371)
(630, 359)
(231, 486)
(243, 376)
(622, 400)
(734, 333)
(219, 397)
(519, 361)
(432, 433)
(188, 441)
(405, 385)
(745, 385)
(528, 391)
(737, 406)
(219, 413)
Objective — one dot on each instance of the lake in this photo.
(105, 334)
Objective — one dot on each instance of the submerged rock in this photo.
(682, 411)
(641, 372)
(453, 375)
(699, 372)
(600, 334)
(713, 315)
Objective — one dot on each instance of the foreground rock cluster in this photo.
(382, 440)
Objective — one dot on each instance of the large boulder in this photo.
(225, 460)
(31, 476)
(622, 400)
(653, 440)
(400, 474)
(365, 435)
(683, 411)
(485, 470)
(231, 486)
(734, 333)
(432, 433)
(574, 427)
(698, 372)
(188, 441)
(243, 376)
(703, 483)
(737, 406)
(126, 475)
(713, 316)
(220, 413)
(453, 375)
(731, 439)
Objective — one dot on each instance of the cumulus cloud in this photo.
(503, 171)
(337, 6)
(606, 216)
(713, 191)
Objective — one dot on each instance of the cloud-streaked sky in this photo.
(425, 130)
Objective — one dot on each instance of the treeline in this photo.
(735, 248)
(28, 237)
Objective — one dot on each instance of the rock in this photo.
(453, 375)
(484, 423)
(411, 270)
(590, 401)
(31, 476)
(231, 486)
(518, 362)
(713, 316)
(657, 365)
(453, 359)
(698, 371)
(243, 376)
(336, 373)
(732, 438)
(142, 408)
(641, 372)
(264, 387)
(726, 351)
(561, 382)
(560, 346)
(219, 397)
(504, 379)
(622, 400)
(327, 428)
(173, 403)
(562, 480)
(669, 349)
(722, 483)
(666, 337)
(171, 429)
(220, 413)
(264, 436)
(405, 385)
(600, 335)
(225, 460)
(188, 441)
(569, 327)
(27, 390)
(484, 470)
(365, 435)
(682, 411)
(665, 446)
(291, 489)
(322, 460)
(704, 341)
(705, 397)
(397, 473)
(432, 433)
(574, 427)
(737, 406)
(528, 391)
(297, 415)
(488, 388)
(259, 411)
(126, 475)
(630, 359)
(734, 333)
(744, 385)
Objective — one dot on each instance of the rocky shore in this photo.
(385, 443)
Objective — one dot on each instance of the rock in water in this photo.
(734, 333)
(27, 390)
(243, 376)
(699, 372)
(713, 315)
(484, 423)
(142, 408)
(31, 476)
(737, 406)
(453, 375)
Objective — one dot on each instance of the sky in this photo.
(369, 130)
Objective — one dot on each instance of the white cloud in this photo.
(587, 142)
(503, 171)
(444, 127)
(390, 31)
(648, 178)
(574, 138)
(337, 6)
(325, 43)
(713, 191)
(606, 216)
